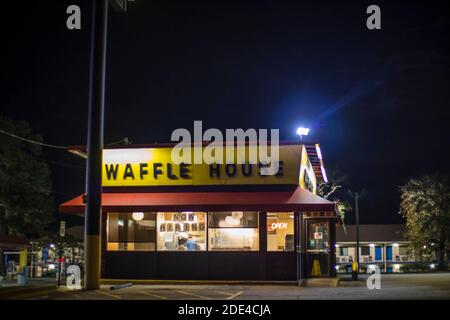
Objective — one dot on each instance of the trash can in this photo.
(22, 277)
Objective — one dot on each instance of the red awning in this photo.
(296, 200)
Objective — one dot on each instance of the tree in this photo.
(425, 204)
(26, 206)
(332, 190)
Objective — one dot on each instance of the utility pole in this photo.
(62, 234)
(355, 265)
(298, 247)
(357, 232)
(92, 219)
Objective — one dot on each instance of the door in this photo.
(318, 248)
(389, 253)
(378, 253)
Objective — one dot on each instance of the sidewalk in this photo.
(36, 287)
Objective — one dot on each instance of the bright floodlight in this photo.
(302, 131)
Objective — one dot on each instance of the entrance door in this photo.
(389, 253)
(378, 253)
(318, 248)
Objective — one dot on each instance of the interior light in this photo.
(138, 216)
(237, 214)
(232, 221)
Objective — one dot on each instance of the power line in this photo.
(32, 141)
(64, 164)
(124, 141)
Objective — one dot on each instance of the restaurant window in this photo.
(131, 231)
(280, 231)
(233, 231)
(181, 231)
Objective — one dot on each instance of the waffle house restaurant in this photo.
(212, 222)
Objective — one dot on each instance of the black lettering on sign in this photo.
(230, 169)
(247, 169)
(280, 169)
(170, 175)
(156, 171)
(214, 170)
(184, 171)
(111, 170)
(128, 172)
(142, 170)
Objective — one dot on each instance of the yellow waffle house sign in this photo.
(154, 167)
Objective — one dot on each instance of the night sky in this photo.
(377, 101)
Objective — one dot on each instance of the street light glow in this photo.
(301, 131)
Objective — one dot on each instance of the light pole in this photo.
(92, 220)
(355, 266)
(357, 232)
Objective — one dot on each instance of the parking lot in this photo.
(401, 286)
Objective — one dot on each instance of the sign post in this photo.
(62, 228)
(62, 233)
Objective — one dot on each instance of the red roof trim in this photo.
(297, 200)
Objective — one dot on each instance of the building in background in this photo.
(381, 245)
(10, 249)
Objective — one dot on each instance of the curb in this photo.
(321, 282)
(194, 282)
(26, 292)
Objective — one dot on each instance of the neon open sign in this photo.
(279, 225)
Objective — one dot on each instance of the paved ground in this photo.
(402, 286)
(31, 281)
